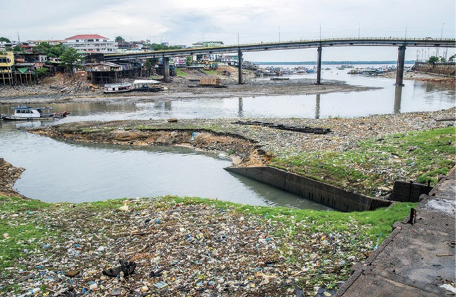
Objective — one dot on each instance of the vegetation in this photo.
(433, 59)
(21, 237)
(420, 156)
(4, 39)
(451, 59)
(41, 72)
(159, 47)
(70, 58)
(53, 51)
(119, 39)
(18, 49)
(210, 72)
(179, 72)
(16, 226)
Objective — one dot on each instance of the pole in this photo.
(400, 66)
(239, 66)
(319, 49)
(166, 78)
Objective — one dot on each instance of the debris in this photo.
(72, 273)
(127, 268)
(160, 285)
(449, 287)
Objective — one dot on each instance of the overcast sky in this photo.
(188, 21)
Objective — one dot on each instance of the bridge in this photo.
(401, 43)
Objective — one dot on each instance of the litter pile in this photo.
(162, 247)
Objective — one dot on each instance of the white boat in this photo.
(147, 85)
(26, 113)
(118, 88)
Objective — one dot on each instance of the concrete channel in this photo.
(320, 192)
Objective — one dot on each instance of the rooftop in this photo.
(86, 36)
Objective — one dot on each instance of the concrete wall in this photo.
(440, 68)
(408, 192)
(311, 189)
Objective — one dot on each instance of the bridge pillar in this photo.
(400, 66)
(240, 66)
(319, 66)
(166, 77)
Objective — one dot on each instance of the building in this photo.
(6, 67)
(91, 43)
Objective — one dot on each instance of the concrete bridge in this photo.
(401, 43)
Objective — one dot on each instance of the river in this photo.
(63, 171)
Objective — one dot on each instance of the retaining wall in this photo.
(311, 189)
(409, 192)
(440, 68)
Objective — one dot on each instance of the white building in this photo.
(92, 43)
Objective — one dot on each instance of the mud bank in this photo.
(8, 176)
(244, 152)
(179, 88)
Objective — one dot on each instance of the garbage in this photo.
(72, 273)
(195, 248)
(160, 285)
(126, 268)
(449, 288)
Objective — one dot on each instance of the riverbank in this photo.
(181, 246)
(60, 89)
(363, 155)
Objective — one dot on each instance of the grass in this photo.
(14, 223)
(210, 72)
(419, 156)
(180, 73)
(299, 233)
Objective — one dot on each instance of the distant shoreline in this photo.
(331, 62)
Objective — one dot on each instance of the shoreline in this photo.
(258, 145)
(179, 89)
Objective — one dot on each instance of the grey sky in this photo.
(186, 22)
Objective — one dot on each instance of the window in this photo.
(77, 40)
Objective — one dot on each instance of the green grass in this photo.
(419, 156)
(210, 72)
(179, 72)
(15, 215)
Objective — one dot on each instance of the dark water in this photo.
(61, 171)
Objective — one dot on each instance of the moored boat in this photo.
(26, 113)
(118, 88)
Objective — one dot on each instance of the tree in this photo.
(451, 59)
(188, 60)
(70, 58)
(158, 47)
(4, 39)
(433, 59)
(442, 59)
(18, 49)
(40, 72)
(119, 39)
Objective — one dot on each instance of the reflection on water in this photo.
(397, 99)
(317, 106)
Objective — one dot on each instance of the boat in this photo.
(26, 113)
(147, 85)
(117, 88)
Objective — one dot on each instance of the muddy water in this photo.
(62, 171)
